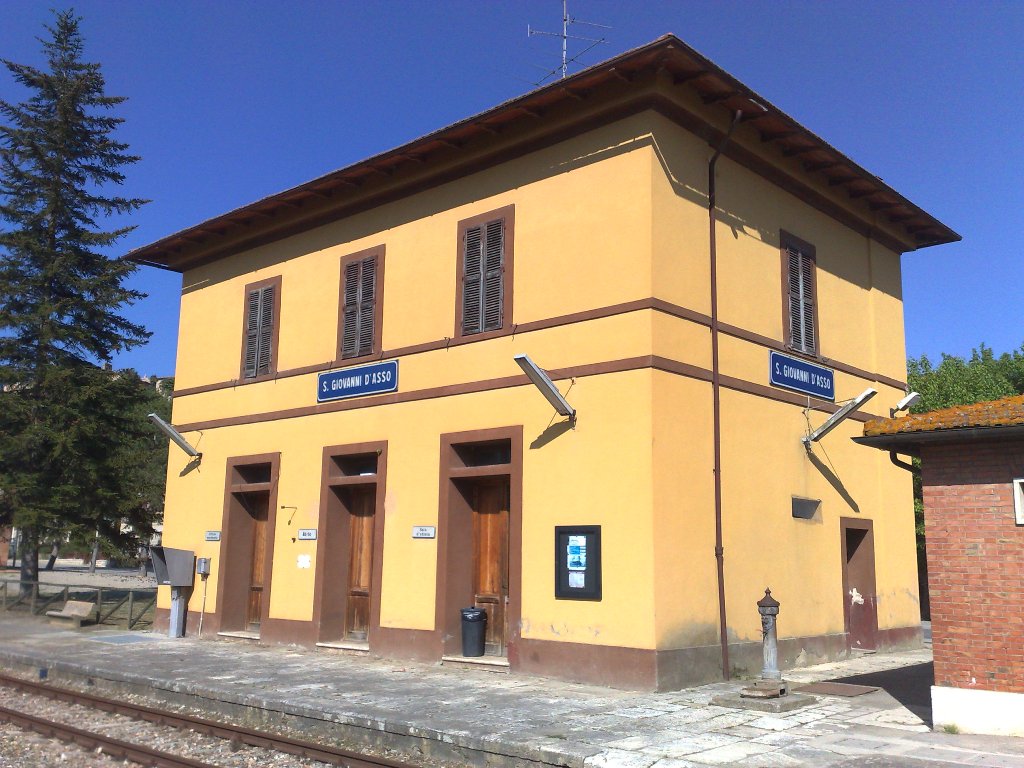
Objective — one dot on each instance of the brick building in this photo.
(973, 479)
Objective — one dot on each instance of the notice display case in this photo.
(578, 562)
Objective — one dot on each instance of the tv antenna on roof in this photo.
(568, 20)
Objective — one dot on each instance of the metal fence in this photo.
(116, 606)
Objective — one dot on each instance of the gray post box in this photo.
(176, 569)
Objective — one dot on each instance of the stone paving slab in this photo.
(480, 718)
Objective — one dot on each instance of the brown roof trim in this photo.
(911, 443)
(667, 57)
(612, 310)
(801, 189)
(655, 362)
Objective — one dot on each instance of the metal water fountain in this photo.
(768, 693)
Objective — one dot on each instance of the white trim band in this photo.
(972, 710)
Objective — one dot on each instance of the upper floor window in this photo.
(484, 291)
(362, 287)
(262, 321)
(799, 281)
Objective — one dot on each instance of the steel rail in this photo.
(236, 734)
(92, 740)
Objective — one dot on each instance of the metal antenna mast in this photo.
(565, 33)
(568, 20)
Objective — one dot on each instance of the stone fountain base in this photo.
(765, 695)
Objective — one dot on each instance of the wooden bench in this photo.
(74, 612)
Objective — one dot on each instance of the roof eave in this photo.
(667, 54)
(912, 442)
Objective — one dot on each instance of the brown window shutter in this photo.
(472, 288)
(796, 326)
(367, 301)
(807, 280)
(358, 311)
(252, 324)
(350, 324)
(266, 330)
(801, 300)
(494, 268)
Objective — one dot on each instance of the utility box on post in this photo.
(175, 568)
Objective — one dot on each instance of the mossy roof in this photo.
(1007, 412)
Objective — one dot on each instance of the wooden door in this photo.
(490, 559)
(859, 584)
(360, 562)
(257, 507)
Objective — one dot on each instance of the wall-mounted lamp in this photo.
(175, 436)
(546, 386)
(833, 421)
(908, 402)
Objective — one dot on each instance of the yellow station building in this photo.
(375, 459)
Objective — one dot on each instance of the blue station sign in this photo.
(801, 376)
(372, 379)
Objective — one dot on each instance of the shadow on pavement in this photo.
(910, 686)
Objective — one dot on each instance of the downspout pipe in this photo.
(903, 464)
(716, 398)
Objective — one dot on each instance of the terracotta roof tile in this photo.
(1008, 411)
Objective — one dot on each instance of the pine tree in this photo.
(60, 294)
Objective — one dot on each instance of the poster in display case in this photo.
(578, 562)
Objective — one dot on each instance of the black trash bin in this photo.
(474, 624)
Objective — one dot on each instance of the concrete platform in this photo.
(469, 716)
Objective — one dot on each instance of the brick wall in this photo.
(975, 564)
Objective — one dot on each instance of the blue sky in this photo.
(231, 101)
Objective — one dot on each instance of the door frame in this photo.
(237, 537)
(452, 560)
(328, 622)
(857, 524)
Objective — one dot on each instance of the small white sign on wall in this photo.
(213, 535)
(424, 532)
(303, 561)
(307, 534)
(1018, 500)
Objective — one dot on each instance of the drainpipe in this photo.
(903, 464)
(716, 399)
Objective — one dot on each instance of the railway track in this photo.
(137, 753)
(234, 734)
